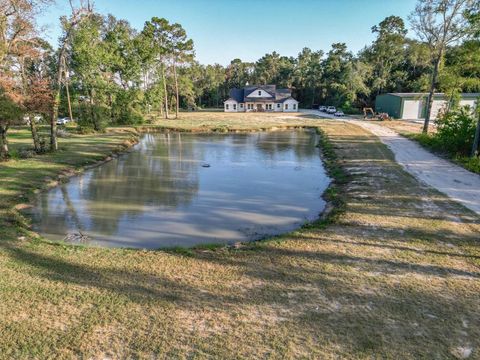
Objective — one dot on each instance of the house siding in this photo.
(231, 106)
(290, 105)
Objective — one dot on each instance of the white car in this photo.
(63, 121)
(331, 110)
(322, 108)
(339, 113)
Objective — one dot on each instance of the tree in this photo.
(18, 41)
(308, 74)
(439, 23)
(274, 69)
(181, 52)
(38, 94)
(386, 56)
(239, 73)
(68, 24)
(10, 112)
(155, 36)
(473, 16)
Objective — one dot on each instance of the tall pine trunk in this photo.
(3, 142)
(431, 93)
(177, 97)
(56, 102)
(165, 92)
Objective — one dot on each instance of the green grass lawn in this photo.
(394, 274)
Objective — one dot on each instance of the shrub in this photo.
(470, 163)
(456, 131)
(92, 117)
(127, 108)
(23, 153)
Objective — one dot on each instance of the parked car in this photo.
(63, 121)
(331, 110)
(322, 108)
(339, 113)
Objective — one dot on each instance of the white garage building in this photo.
(412, 106)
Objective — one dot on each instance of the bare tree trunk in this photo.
(68, 92)
(177, 97)
(56, 103)
(476, 141)
(165, 92)
(36, 140)
(69, 102)
(432, 92)
(3, 143)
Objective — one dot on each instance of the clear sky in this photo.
(247, 29)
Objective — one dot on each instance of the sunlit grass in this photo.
(394, 274)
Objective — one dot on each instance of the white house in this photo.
(261, 98)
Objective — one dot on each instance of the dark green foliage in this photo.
(454, 138)
(92, 117)
(455, 131)
(127, 109)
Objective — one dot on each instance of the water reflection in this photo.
(159, 194)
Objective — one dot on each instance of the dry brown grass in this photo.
(396, 276)
(406, 127)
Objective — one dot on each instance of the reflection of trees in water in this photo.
(302, 143)
(160, 173)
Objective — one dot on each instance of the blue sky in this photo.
(247, 29)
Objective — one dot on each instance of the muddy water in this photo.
(188, 189)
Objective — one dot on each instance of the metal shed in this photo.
(412, 106)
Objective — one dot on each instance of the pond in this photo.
(182, 189)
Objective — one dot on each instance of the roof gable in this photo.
(252, 93)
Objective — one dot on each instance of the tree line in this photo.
(104, 72)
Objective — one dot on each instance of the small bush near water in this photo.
(454, 137)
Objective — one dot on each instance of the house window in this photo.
(259, 93)
(286, 106)
(278, 106)
(226, 106)
(241, 106)
(294, 106)
(234, 106)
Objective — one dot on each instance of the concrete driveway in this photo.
(448, 178)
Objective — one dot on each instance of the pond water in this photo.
(188, 189)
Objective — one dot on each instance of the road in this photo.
(448, 178)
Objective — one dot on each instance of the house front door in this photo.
(259, 107)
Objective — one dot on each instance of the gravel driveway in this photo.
(448, 178)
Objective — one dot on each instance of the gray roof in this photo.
(240, 95)
(236, 94)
